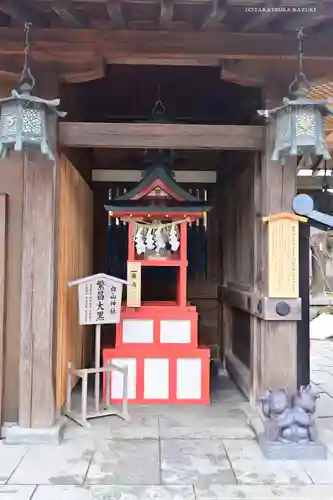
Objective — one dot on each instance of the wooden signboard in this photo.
(99, 303)
(283, 255)
(99, 299)
(134, 291)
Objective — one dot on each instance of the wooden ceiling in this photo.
(250, 41)
(248, 16)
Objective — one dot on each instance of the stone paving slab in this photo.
(11, 492)
(270, 472)
(66, 463)
(126, 462)
(193, 427)
(327, 389)
(264, 492)
(321, 376)
(320, 472)
(324, 406)
(10, 457)
(243, 449)
(138, 427)
(195, 461)
(121, 492)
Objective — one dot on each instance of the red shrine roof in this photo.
(158, 192)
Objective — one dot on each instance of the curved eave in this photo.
(156, 210)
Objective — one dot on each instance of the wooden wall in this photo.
(75, 260)
(238, 222)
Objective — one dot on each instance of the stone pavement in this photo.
(322, 375)
(172, 453)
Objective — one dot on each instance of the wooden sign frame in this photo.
(283, 254)
(134, 276)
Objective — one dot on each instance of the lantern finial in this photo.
(299, 121)
(23, 121)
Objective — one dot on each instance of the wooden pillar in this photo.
(3, 275)
(38, 291)
(274, 342)
(11, 183)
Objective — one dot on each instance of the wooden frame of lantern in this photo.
(299, 128)
(24, 117)
(299, 122)
(23, 123)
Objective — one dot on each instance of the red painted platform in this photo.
(157, 325)
(161, 377)
(158, 341)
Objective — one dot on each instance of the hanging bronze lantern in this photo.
(299, 121)
(24, 117)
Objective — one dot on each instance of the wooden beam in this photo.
(115, 14)
(259, 3)
(166, 14)
(117, 46)
(152, 136)
(3, 264)
(82, 72)
(313, 182)
(321, 13)
(69, 14)
(181, 176)
(21, 11)
(236, 72)
(183, 2)
(216, 13)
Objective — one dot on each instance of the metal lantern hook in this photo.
(26, 80)
(300, 85)
(158, 104)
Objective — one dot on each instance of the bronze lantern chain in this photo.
(27, 79)
(300, 86)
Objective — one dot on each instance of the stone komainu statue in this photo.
(290, 419)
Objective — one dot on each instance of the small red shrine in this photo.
(158, 341)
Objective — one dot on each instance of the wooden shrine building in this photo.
(209, 65)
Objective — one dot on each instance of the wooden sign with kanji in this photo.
(99, 298)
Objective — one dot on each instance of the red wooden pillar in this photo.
(182, 272)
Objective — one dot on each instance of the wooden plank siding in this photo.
(75, 260)
(238, 221)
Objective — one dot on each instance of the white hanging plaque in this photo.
(99, 298)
